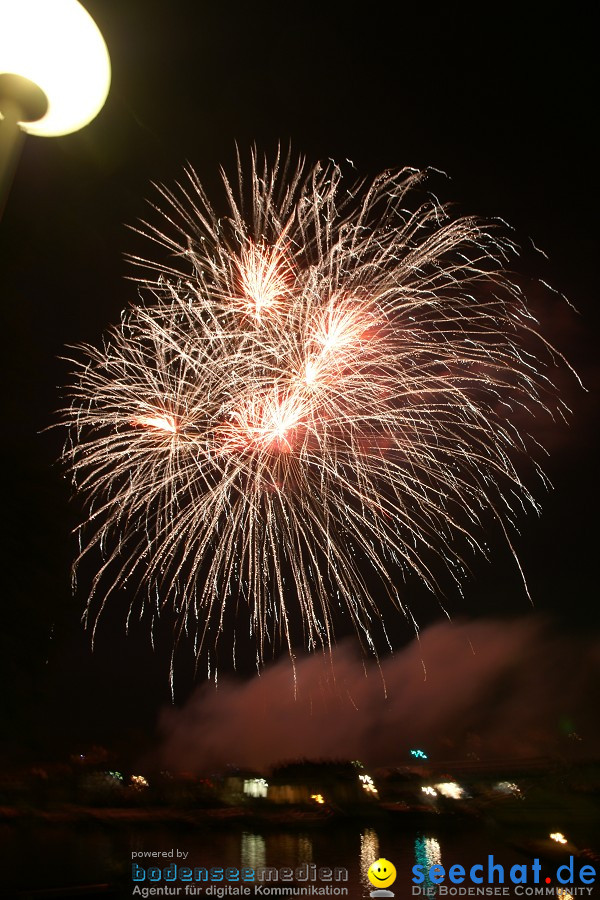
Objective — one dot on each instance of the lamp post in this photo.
(54, 74)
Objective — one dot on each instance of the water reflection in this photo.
(369, 852)
(305, 849)
(253, 851)
(428, 853)
(284, 850)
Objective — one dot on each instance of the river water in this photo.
(35, 856)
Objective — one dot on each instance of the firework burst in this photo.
(321, 390)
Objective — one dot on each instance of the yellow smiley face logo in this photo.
(382, 873)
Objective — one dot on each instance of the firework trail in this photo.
(318, 392)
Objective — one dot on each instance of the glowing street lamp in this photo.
(54, 72)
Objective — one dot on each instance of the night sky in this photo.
(500, 99)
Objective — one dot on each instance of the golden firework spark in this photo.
(323, 391)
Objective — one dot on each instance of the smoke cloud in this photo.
(489, 688)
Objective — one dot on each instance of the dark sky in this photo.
(501, 99)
